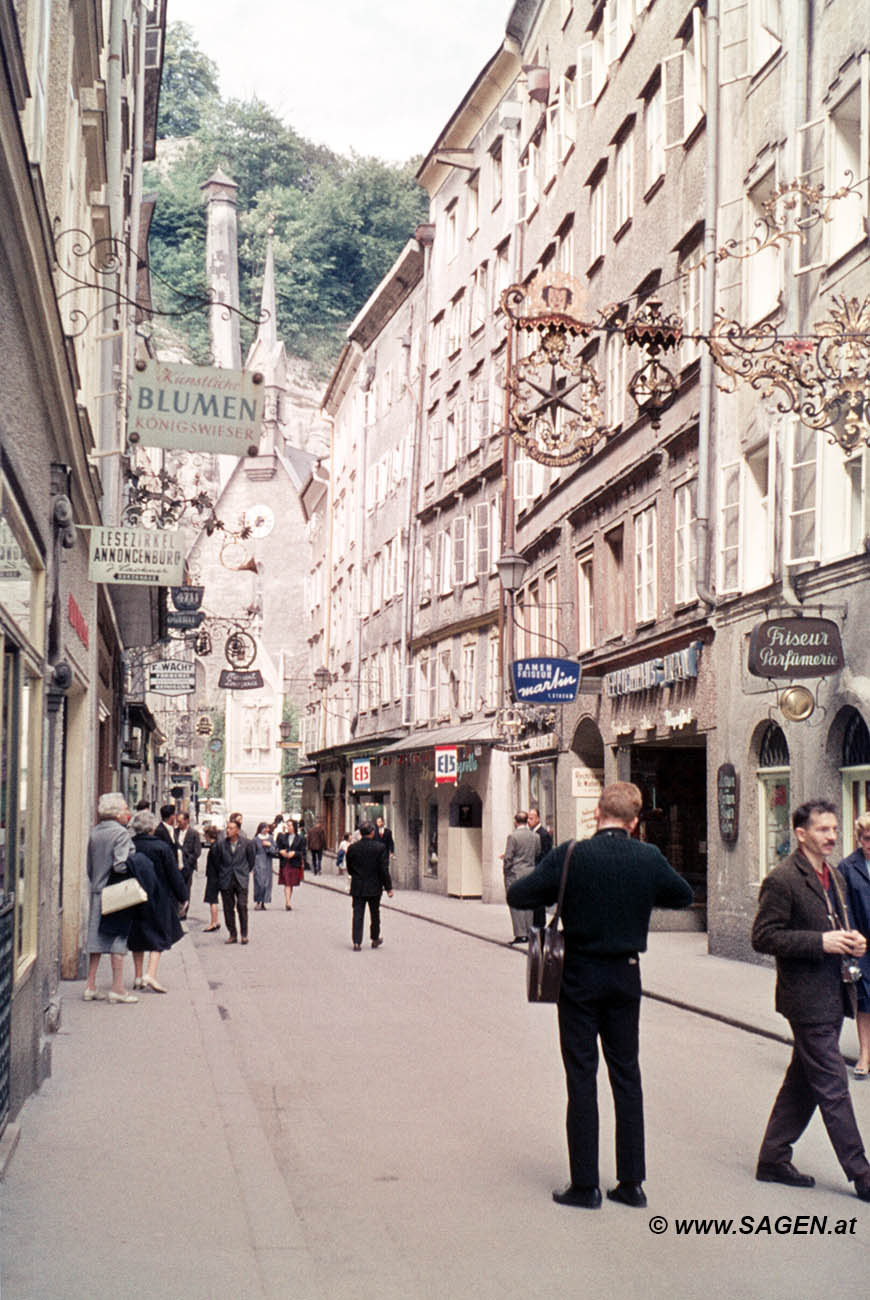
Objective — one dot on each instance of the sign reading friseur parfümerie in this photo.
(199, 408)
(154, 556)
(795, 647)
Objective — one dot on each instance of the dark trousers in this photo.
(601, 999)
(816, 1076)
(235, 897)
(359, 916)
(316, 859)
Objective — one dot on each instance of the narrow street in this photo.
(298, 1120)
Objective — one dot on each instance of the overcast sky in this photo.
(377, 76)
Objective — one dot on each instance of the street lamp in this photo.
(511, 571)
(322, 678)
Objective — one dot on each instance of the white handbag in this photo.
(127, 893)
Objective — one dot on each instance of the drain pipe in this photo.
(711, 213)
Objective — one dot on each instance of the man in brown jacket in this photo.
(803, 922)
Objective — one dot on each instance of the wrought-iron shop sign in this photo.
(172, 677)
(677, 666)
(795, 647)
(545, 680)
(239, 679)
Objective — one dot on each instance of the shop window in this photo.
(774, 798)
(432, 839)
(614, 584)
(855, 774)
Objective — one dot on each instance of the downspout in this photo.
(797, 113)
(414, 530)
(327, 625)
(711, 214)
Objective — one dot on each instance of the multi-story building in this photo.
(78, 104)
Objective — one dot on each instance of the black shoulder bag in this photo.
(546, 952)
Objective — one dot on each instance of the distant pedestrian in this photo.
(368, 865)
(190, 844)
(156, 926)
(166, 829)
(613, 884)
(341, 854)
(235, 861)
(316, 845)
(211, 835)
(545, 839)
(110, 846)
(803, 921)
(856, 873)
(519, 858)
(291, 852)
(385, 835)
(265, 852)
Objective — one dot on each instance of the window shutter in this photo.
(460, 529)
(734, 41)
(809, 250)
(481, 532)
(674, 80)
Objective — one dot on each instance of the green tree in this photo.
(188, 84)
(177, 251)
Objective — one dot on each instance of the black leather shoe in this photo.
(784, 1173)
(862, 1189)
(628, 1194)
(357, 947)
(585, 1198)
(521, 938)
(376, 943)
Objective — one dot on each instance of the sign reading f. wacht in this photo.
(149, 555)
(199, 408)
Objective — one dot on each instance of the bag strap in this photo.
(565, 864)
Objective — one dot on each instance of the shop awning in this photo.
(465, 733)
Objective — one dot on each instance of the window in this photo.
(451, 237)
(493, 674)
(495, 529)
(445, 672)
(426, 571)
(479, 298)
(614, 584)
(685, 513)
(38, 70)
(422, 702)
(532, 621)
(468, 683)
(617, 28)
(849, 152)
(496, 173)
(750, 36)
(480, 539)
(551, 613)
(454, 326)
(729, 527)
(502, 277)
(803, 495)
(377, 582)
(774, 799)
(460, 550)
(436, 350)
(528, 481)
(529, 189)
(654, 127)
(683, 79)
(561, 128)
(763, 271)
(591, 69)
(445, 563)
(615, 356)
(624, 180)
(691, 285)
(598, 219)
(479, 413)
(565, 254)
(397, 671)
(758, 493)
(645, 565)
(472, 212)
(586, 602)
(448, 459)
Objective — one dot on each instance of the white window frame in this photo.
(762, 272)
(468, 679)
(459, 531)
(585, 600)
(624, 180)
(810, 468)
(654, 135)
(598, 219)
(445, 562)
(685, 542)
(591, 70)
(481, 517)
(730, 526)
(645, 566)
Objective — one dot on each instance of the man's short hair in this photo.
(167, 811)
(521, 818)
(800, 818)
(622, 801)
(111, 805)
(237, 818)
(366, 828)
(185, 815)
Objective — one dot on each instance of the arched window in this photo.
(774, 798)
(855, 772)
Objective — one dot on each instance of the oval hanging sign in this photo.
(795, 647)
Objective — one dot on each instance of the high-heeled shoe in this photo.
(210, 929)
(149, 982)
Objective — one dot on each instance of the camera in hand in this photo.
(850, 970)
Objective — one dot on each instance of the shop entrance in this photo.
(673, 781)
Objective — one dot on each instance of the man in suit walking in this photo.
(519, 858)
(613, 883)
(368, 865)
(803, 921)
(191, 846)
(166, 830)
(235, 860)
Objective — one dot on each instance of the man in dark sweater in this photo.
(613, 884)
(368, 865)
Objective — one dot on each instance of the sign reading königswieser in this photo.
(199, 408)
(545, 681)
(795, 647)
(150, 555)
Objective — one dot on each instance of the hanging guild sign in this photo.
(361, 773)
(185, 598)
(545, 681)
(728, 794)
(240, 679)
(172, 677)
(795, 647)
(184, 619)
(446, 764)
(154, 556)
(200, 408)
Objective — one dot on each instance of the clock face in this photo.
(260, 519)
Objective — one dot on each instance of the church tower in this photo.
(222, 268)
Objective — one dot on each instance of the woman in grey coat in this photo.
(110, 844)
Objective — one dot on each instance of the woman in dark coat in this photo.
(156, 926)
(291, 855)
(856, 870)
(211, 835)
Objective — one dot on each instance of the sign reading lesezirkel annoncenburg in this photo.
(198, 408)
(142, 555)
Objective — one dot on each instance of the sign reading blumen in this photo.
(200, 408)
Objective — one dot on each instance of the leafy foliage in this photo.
(338, 223)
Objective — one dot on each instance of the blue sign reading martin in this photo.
(545, 681)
